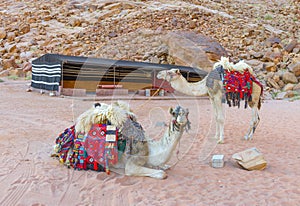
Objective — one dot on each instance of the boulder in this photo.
(273, 56)
(196, 50)
(250, 159)
(24, 28)
(297, 87)
(281, 96)
(18, 72)
(27, 67)
(2, 33)
(272, 83)
(295, 68)
(73, 22)
(290, 94)
(288, 87)
(289, 48)
(11, 36)
(9, 63)
(270, 67)
(289, 77)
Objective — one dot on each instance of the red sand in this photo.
(30, 122)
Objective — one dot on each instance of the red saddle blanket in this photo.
(101, 144)
(238, 86)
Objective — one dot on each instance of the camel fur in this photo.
(179, 83)
(144, 155)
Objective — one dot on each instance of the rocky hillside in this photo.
(264, 33)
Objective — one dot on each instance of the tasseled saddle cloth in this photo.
(237, 85)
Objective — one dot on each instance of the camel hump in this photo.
(241, 66)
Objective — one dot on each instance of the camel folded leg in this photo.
(134, 167)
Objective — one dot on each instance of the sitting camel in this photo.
(142, 156)
(212, 85)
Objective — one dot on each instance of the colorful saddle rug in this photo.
(101, 144)
(238, 86)
(95, 150)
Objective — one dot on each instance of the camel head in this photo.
(169, 75)
(180, 117)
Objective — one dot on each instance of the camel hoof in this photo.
(248, 138)
(160, 175)
(220, 141)
(165, 167)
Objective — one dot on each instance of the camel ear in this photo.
(171, 110)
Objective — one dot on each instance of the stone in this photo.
(297, 87)
(288, 87)
(269, 75)
(281, 95)
(272, 56)
(73, 22)
(289, 94)
(9, 63)
(10, 48)
(18, 72)
(281, 84)
(271, 41)
(2, 33)
(289, 77)
(273, 84)
(289, 48)
(276, 77)
(24, 28)
(191, 49)
(270, 67)
(250, 159)
(295, 68)
(27, 67)
(258, 55)
(11, 36)
(2, 50)
(26, 55)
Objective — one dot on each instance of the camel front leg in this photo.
(253, 124)
(219, 116)
(134, 167)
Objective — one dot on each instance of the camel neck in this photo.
(194, 89)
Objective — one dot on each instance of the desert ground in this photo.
(30, 123)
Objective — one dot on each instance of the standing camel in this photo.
(143, 156)
(213, 87)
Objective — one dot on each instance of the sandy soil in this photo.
(30, 122)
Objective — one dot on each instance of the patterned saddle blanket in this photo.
(237, 85)
(101, 146)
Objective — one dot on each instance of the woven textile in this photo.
(101, 144)
(238, 86)
(46, 76)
